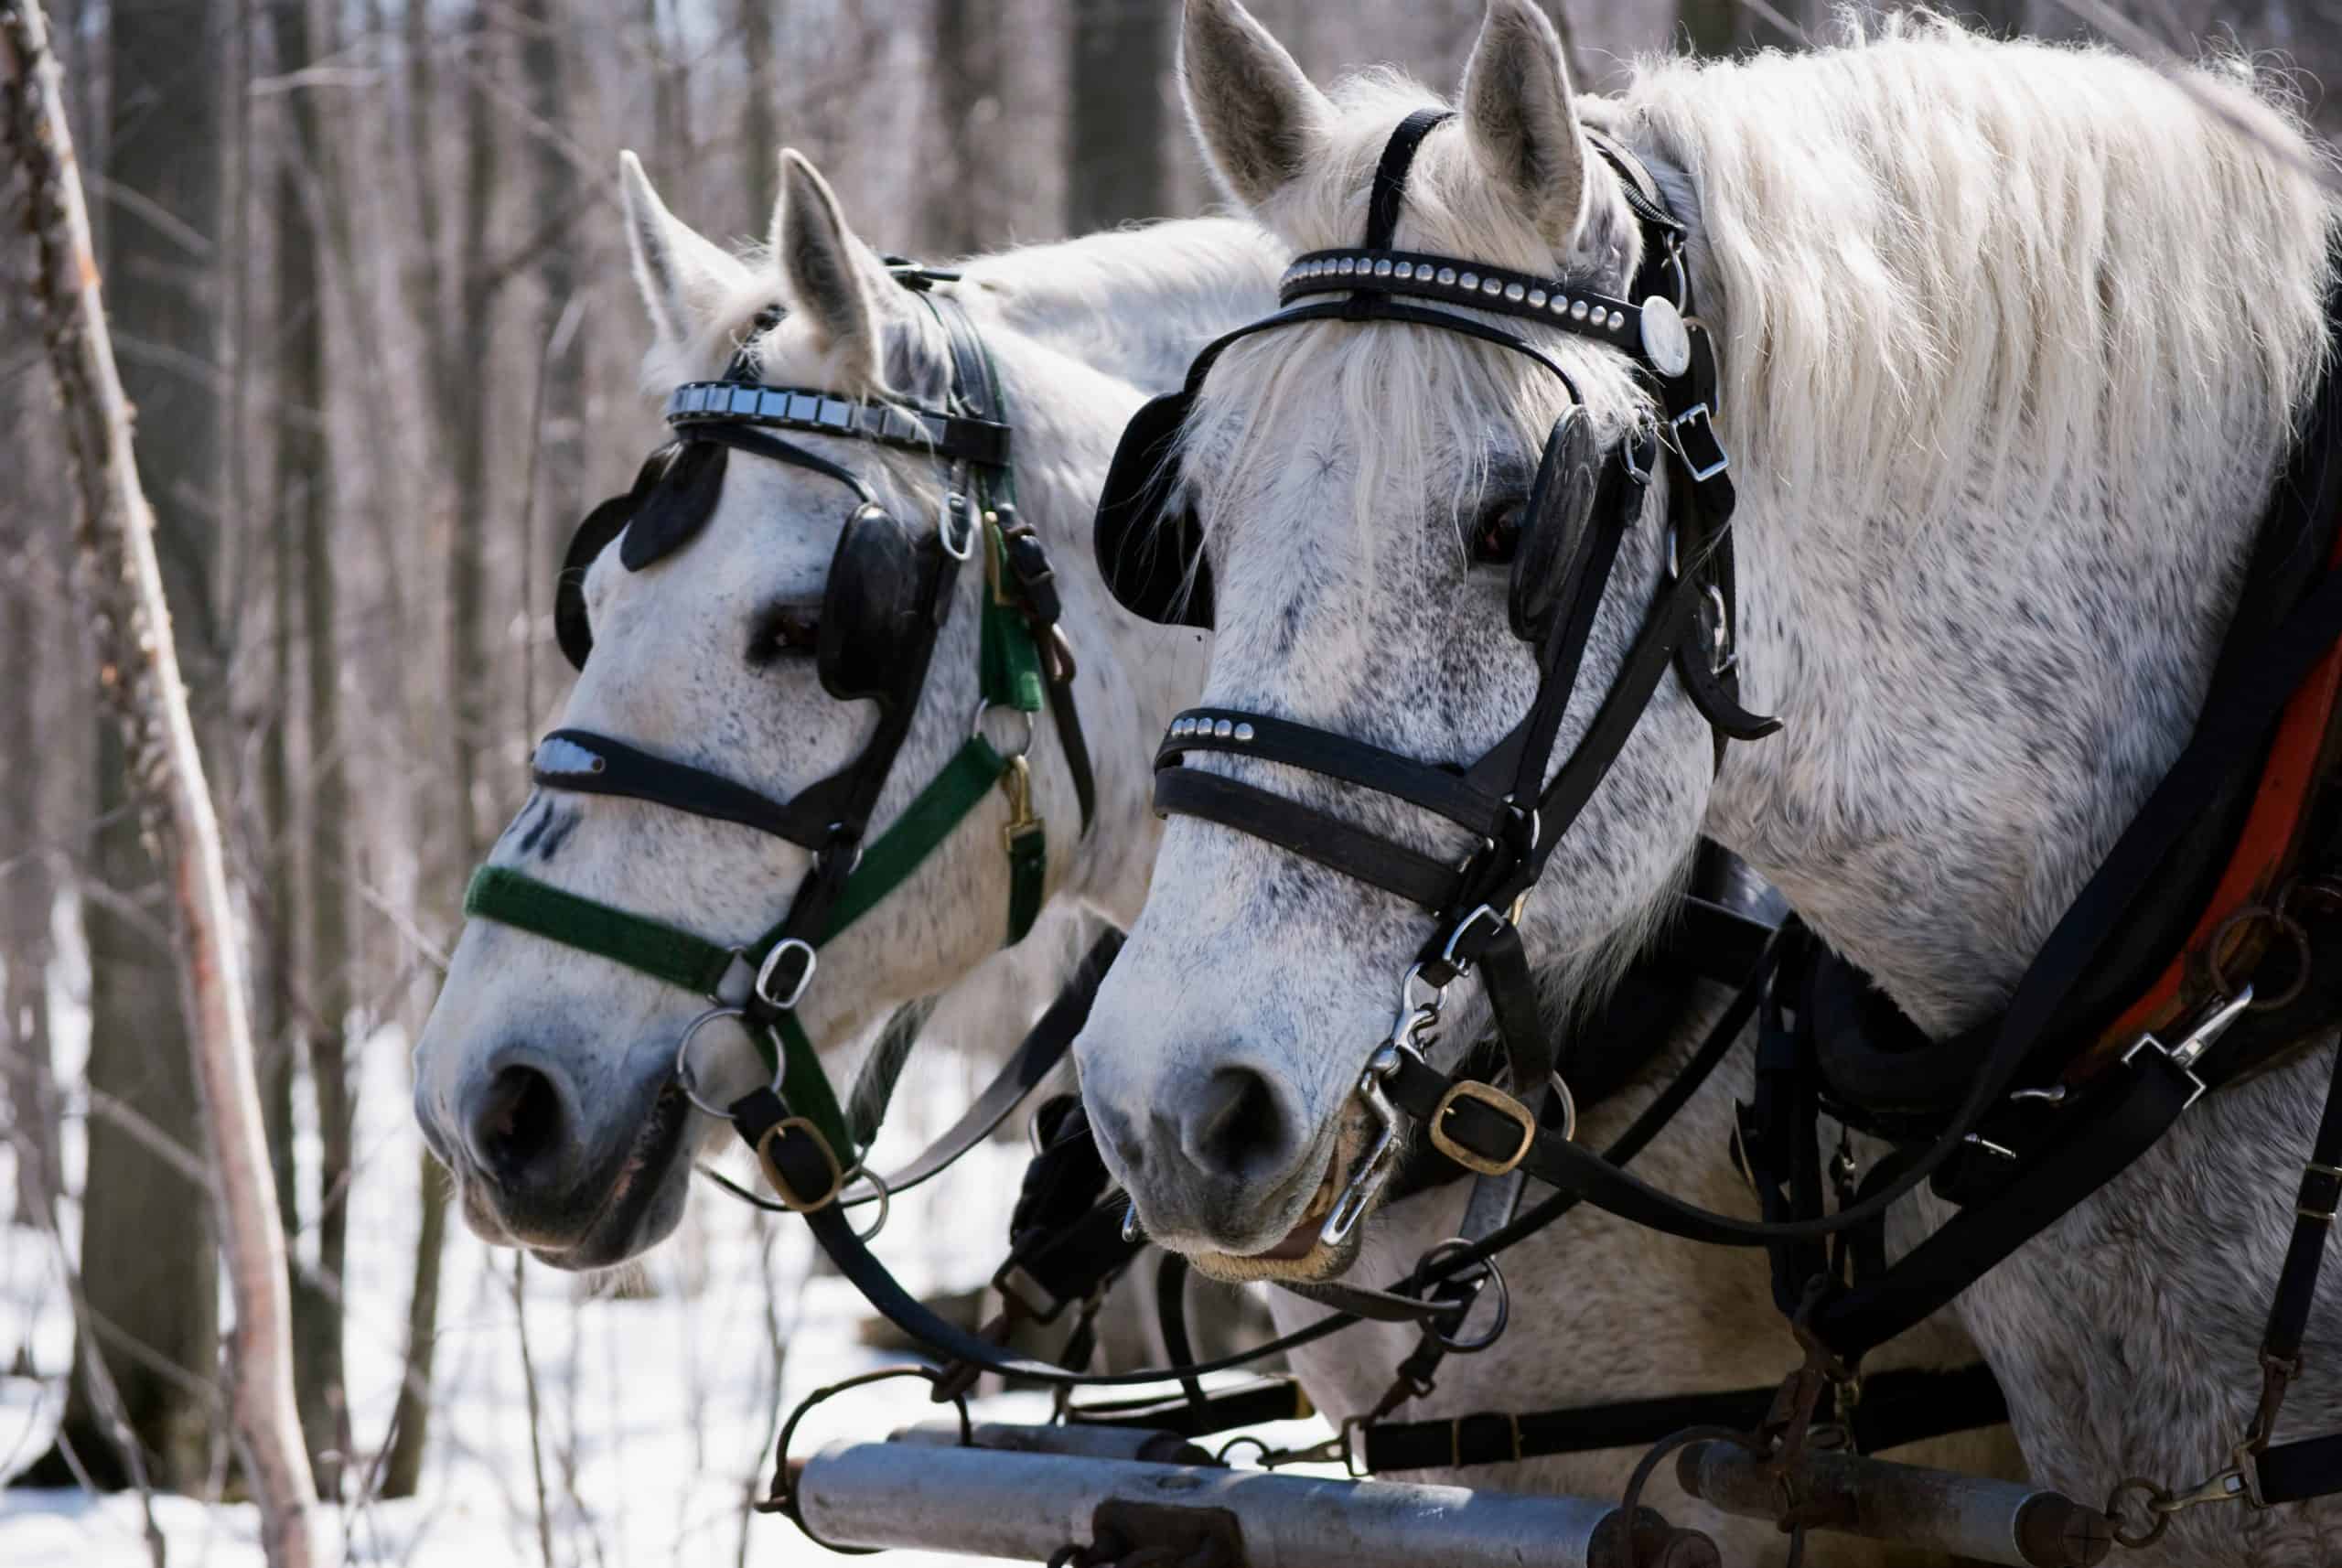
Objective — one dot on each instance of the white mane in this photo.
(1958, 263)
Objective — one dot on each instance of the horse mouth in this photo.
(1302, 1254)
(626, 1224)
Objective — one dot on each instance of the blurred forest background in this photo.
(368, 289)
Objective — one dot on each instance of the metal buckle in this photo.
(789, 1199)
(1018, 785)
(1021, 1291)
(2185, 1055)
(766, 969)
(1698, 419)
(1496, 1100)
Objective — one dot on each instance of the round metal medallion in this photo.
(1665, 342)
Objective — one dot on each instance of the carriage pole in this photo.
(997, 1502)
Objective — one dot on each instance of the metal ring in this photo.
(1495, 1276)
(884, 1195)
(683, 1067)
(765, 973)
(1447, 953)
(976, 729)
(2149, 1493)
(1569, 1106)
(1241, 1438)
(2290, 928)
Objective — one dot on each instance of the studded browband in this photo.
(953, 435)
(1655, 328)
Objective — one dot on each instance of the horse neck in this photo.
(1978, 693)
(1134, 304)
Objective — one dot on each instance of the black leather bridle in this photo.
(1504, 797)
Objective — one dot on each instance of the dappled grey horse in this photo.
(2014, 343)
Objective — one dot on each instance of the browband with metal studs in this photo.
(953, 435)
(1653, 331)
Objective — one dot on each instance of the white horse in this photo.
(545, 1078)
(2014, 341)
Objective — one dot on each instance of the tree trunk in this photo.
(304, 511)
(1712, 27)
(120, 582)
(1114, 163)
(760, 126)
(147, 1263)
(450, 826)
(965, 188)
(27, 887)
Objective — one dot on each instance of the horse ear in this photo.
(832, 276)
(1520, 119)
(686, 280)
(1258, 117)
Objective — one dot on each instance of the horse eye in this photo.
(1496, 532)
(783, 631)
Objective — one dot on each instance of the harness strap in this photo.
(1909, 1405)
(1390, 174)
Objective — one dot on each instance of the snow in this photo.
(657, 1411)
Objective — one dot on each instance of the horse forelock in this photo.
(1947, 263)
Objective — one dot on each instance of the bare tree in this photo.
(302, 510)
(1119, 60)
(119, 576)
(147, 1263)
(449, 825)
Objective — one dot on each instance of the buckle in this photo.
(789, 1199)
(1447, 954)
(772, 967)
(1022, 1293)
(1694, 427)
(1496, 1100)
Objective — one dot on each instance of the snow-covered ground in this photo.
(657, 1411)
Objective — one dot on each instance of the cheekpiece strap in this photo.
(957, 437)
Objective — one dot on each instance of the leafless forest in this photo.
(368, 284)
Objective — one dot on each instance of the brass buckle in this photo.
(1496, 1100)
(1018, 785)
(781, 1189)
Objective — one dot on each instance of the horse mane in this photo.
(1951, 263)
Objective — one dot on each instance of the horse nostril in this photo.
(1237, 1127)
(517, 1125)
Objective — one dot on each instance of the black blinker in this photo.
(870, 608)
(678, 506)
(1149, 549)
(1560, 502)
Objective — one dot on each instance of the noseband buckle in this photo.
(1496, 1100)
(789, 1195)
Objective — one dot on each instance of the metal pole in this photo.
(990, 1503)
(1993, 1521)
